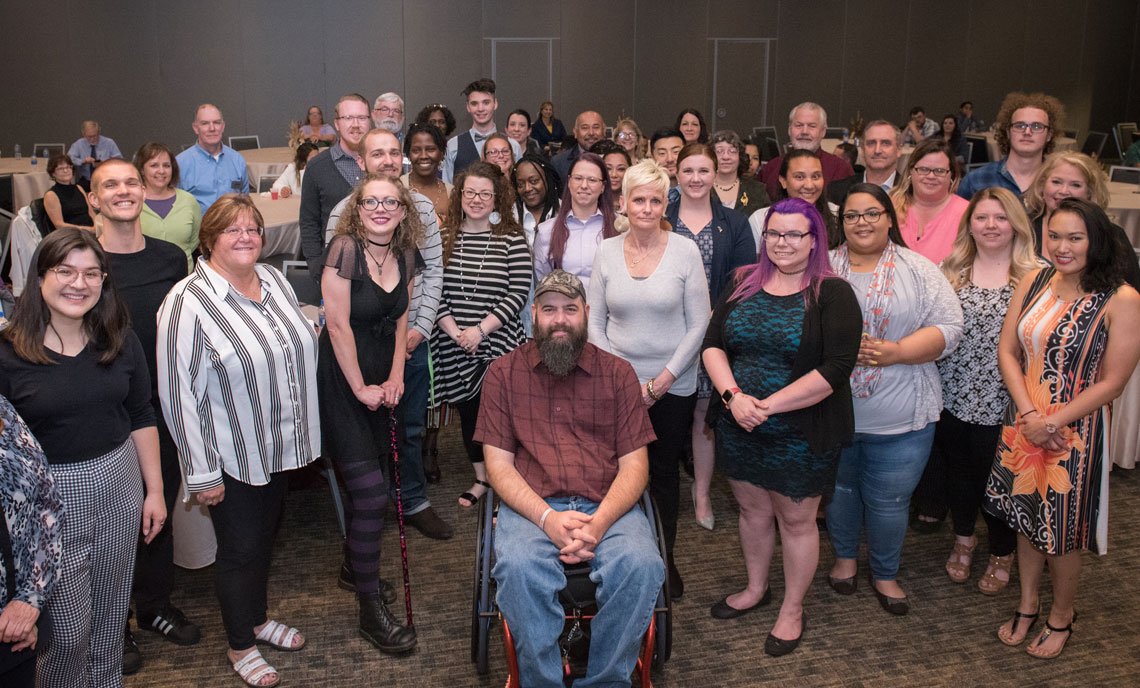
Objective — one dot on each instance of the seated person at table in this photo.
(65, 203)
(564, 433)
(1025, 130)
(315, 130)
(1132, 155)
(90, 150)
(289, 182)
(919, 128)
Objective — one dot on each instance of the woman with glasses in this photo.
(735, 188)
(780, 349)
(315, 129)
(486, 277)
(628, 135)
(548, 130)
(237, 364)
(569, 240)
(725, 243)
(77, 374)
(65, 203)
(929, 212)
(497, 151)
(911, 318)
(368, 267)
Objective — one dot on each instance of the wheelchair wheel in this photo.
(663, 613)
(481, 597)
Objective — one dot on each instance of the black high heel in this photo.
(1017, 617)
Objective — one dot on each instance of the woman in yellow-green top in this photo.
(169, 213)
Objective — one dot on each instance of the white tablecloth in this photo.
(282, 229)
(266, 162)
(29, 181)
(1124, 208)
(829, 145)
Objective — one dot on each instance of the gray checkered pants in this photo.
(103, 499)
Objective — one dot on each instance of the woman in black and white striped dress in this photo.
(486, 277)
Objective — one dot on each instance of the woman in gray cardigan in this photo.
(649, 304)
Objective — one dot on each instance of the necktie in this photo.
(93, 153)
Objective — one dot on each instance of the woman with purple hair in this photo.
(780, 350)
(586, 215)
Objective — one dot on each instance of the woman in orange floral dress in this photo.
(1070, 341)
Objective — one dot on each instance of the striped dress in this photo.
(1059, 500)
(486, 274)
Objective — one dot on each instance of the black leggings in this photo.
(672, 418)
(961, 459)
(468, 411)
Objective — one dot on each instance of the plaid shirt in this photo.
(566, 433)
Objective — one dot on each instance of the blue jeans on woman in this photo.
(626, 566)
(877, 475)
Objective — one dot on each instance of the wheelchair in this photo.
(578, 603)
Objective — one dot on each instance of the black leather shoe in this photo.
(346, 581)
(172, 624)
(379, 628)
(132, 658)
(843, 586)
(723, 610)
(898, 606)
(430, 524)
(676, 585)
(778, 647)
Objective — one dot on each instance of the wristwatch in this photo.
(1050, 428)
(728, 394)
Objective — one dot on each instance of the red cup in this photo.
(273, 195)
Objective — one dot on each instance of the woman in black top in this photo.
(65, 203)
(788, 335)
(75, 371)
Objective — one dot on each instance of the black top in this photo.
(72, 204)
(143, 279)
(733, 244)
(321, 189)
(1123, 246)
(829, 343)
(837, 189)
(78, 408)
(556, 133)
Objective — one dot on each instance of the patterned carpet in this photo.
(947, 639)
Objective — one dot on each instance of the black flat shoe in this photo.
(898, 606)
(132, 658)
(843, 586)
(723, 610)
(778, 647)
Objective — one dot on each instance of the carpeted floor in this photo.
(947, 639)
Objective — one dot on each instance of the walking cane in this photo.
(400, 515)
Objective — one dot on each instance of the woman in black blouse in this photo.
(65, 203)
(75, 371)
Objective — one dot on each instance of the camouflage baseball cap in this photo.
(562, 282)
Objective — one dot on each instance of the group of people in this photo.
(832, 341)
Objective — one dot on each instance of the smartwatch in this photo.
(728, 394)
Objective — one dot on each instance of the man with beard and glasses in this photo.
(564, 434)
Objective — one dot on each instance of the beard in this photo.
(560, 354)
(392, 125)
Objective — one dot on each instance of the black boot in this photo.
(346, 581)
(379, 628)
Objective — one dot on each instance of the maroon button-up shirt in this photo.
(566, 433)
(834, 167)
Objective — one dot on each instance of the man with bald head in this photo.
(210, 168)
(90, 150)
(589, 128)
(807, 124)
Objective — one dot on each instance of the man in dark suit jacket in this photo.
(589, 128)
(881, 146)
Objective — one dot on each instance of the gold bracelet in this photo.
(649, 389)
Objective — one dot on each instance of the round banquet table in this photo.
(266, 162)
(1124, 208)
(282, 229)
(29, 181)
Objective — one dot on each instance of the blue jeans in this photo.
(876, 477)
(414, 405)
(626, 566)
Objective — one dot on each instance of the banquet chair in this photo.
(265, 183)
(980, 150)
(23, 237)
(1126, 175)
(51, 149)
(761, 133)
(5, 234)
(1094, 144)
(1122, 132)
(240, 143)
(835, 133)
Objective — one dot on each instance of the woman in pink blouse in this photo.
(928, 210)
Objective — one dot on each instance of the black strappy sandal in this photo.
(1050, 629)
(472, 498)
(1017, 617)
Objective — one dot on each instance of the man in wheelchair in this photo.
(564, 433)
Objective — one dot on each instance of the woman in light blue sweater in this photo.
(649, 304)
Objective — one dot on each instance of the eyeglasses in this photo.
(852, 217)
(67, 275)
(627, 135)
(389, 204)
(936, 171)
(355, 118)
(1035, 127)
(235, 232)
(506, 152)
(793, 238)
(471, 194)
(583, 179)
(385, 110)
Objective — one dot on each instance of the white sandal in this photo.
(279, 636)
(252, 668)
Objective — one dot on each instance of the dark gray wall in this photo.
(141, 66)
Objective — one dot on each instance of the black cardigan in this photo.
(733, 245)
(829, 343)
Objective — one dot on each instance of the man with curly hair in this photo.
(1025, 130)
